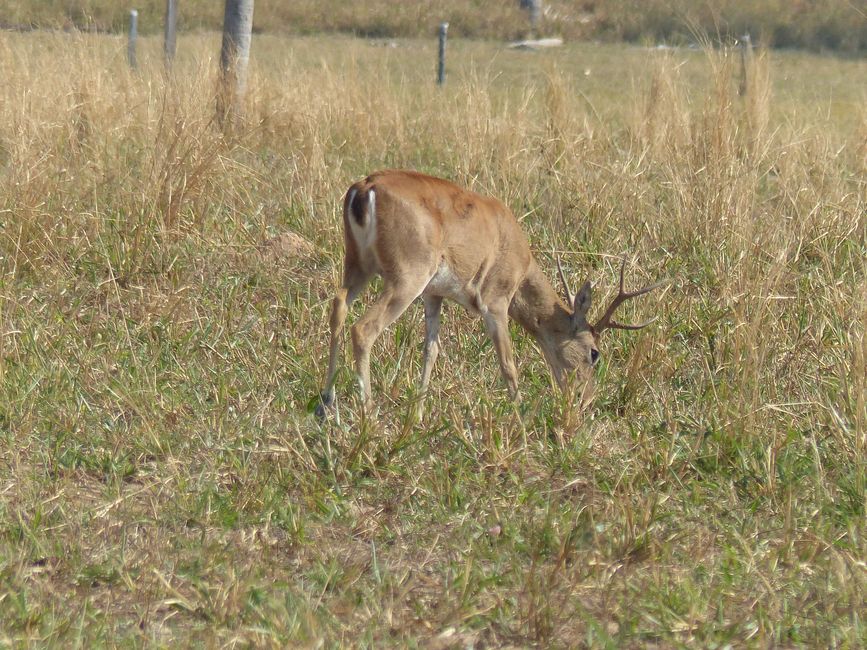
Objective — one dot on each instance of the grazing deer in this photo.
(428, 237)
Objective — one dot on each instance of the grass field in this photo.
(819, 25)
(162, 481)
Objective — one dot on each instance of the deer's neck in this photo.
(536, 305)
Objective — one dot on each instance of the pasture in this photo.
(163, 313)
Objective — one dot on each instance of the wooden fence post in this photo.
(133, 36)
(170, 43)
(234, 56)
(441, 67)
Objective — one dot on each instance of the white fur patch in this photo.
(446, 284)
(364, 235)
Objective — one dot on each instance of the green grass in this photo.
(162, 481)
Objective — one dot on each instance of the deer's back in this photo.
(428, 225)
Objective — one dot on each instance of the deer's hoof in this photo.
(326, 400)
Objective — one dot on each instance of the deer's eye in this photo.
(594, 356)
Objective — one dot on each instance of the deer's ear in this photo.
(582, 303)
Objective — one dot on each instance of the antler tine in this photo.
(606, 322)
(614, 325)
(570, 297)
(622, 269)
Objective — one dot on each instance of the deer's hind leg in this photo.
(355, 279)
(396, 297)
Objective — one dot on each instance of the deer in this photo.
(427, 237)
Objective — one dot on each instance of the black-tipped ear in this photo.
(582, 302)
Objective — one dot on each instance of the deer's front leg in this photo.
(432, 307)
(497, 325)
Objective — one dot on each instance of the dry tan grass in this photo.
(822, 25)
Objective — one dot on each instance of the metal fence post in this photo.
(534, 7)
(746, 60)
(535, 12)
(170, 43)
(441, 68)
(133, 36)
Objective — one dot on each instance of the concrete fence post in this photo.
(234, 56)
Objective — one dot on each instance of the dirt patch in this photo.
(287, 246)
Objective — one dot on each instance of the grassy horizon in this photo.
(821, 25)
(163, 328)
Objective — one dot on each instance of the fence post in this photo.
(534, 7)
(535, 12)
(133, 36)
(170, 43)
(234, 56)
(441, 68)
(746, 59)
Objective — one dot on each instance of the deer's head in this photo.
(571, 342)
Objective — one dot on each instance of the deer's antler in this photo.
(606, 322)
(570, 297)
